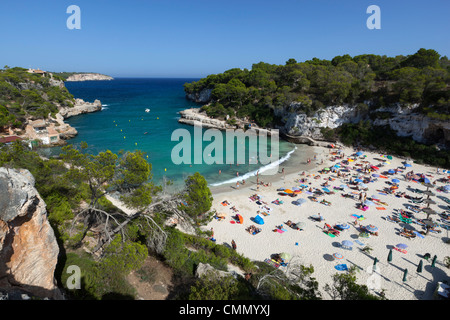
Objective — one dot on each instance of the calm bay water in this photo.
(124, 125)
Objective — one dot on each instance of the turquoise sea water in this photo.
(123, 124)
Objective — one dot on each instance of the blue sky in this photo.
(194, 38)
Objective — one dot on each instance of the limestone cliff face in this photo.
(405, 120)
(203, 96)
(28, 247)
(88, 77)
(80, 107)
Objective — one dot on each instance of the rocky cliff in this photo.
(28, 247)
(404, 120)
(88, 77)
(204, 96)
(80, 107)
(195, 117)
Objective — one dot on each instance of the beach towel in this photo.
(341, 267)
(280, 231)
(330, 234)
(272, 263)
(381, 208)
(359, 242)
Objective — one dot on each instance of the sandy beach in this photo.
(312, 246)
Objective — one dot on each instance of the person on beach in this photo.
(233, 244)
(220, 171)
(237, 184)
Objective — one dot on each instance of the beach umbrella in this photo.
(428, 185)
(433, 262)
(258, 220)
(389, 157)
(285, 256)
(359, 153)
(405, 273)
(429, 193)
(389, 258)
(288, 191)
(395, 180)
(401, 246)
(429, 201)
(343, 226)
(375, 168)
(420, 266)
(407, 165)
(358, 180)
(347, 243)
(299, 202)
(371, 228)
(338, 256)
(390, 171)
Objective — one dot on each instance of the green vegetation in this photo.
(344, 287)
(23, 95)
(68, 189)
(254, 94)
(198, 197)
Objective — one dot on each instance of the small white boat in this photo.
(147, 110)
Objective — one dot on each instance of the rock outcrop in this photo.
(195, 117)
(28, 247)
(204, 96)
(88, 77)
(80, 107)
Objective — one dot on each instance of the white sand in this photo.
(314, 244)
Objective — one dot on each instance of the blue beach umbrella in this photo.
(376, 175)
(299, 202)
(408, 165)
(358, 180)
(391, 171)
(258, 220)
(371, 228)
(347, 243)
(401, 246)
(359, 153)
(395, 180)
(343, 226)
